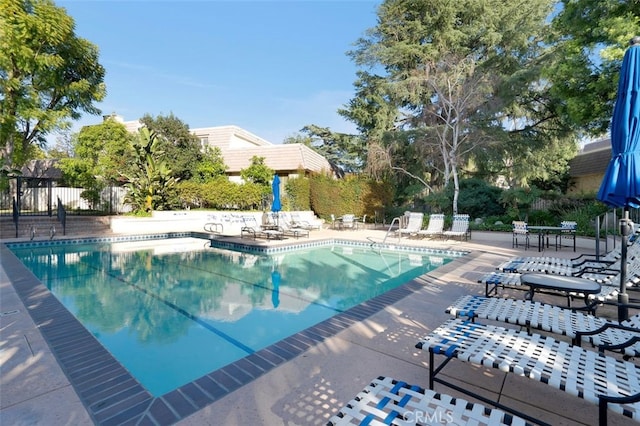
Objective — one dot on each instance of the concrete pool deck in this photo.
(310, 387)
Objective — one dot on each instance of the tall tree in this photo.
(177, 142)
(590, 39)
(101, 153)
(63, 146)
(345, 153)
(446, 66)
(48, 75)
(105, 149)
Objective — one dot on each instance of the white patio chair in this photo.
(519, 230)
(348, 221)
(414, 224)
(288, 229)
(610, 284)
(596, 267)
(459, 227)
(568, 232)
(435, 228)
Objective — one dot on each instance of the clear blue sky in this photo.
(270, 67)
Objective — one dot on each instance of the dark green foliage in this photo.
(477, 199)
(48, 76)
(346, 153)
(518, 201)
(177, 142)
(377, 196)
(543, 217)
(211, 166)
(259, 174)
(101, 154)
(220, 194)
(589, 38)
(150, 183)
(357, 195)
(495, 223)
(298, 193)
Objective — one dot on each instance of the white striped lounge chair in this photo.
(435, 228)
(413, 226)
(387, 401)
(459, 227)
(552, 268)
(611, 383)
(552, 318)
(604, 266)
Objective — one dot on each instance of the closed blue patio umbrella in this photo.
(275, 188)
(621, 183)
(275, 290)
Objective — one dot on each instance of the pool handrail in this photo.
(384, 240)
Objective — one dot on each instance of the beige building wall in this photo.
(586, 184)
(588, 167)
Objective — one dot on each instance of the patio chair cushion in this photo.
(578, 371)
(391, 402)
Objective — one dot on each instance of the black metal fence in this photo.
(39, 197)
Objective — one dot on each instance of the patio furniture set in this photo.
(522, 230)
(413, 226)
(609, 380)
(348, 221)
(274, 226)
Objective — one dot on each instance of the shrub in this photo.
(476, 198)
(298, 193)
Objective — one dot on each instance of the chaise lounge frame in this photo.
(610, 383)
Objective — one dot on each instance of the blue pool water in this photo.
(174, 310)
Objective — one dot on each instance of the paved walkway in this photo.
(310, 388)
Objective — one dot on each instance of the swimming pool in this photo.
(176, 310)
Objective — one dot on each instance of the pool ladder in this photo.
(32, 232)
(396, 220)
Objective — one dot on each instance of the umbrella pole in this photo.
(623, 298)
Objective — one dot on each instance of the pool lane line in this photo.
(181, 311)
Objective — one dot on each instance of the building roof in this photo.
(287, 157)
(42, 169)
(593, 159)
(229, 137)
(597, 145)
(238, 146)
